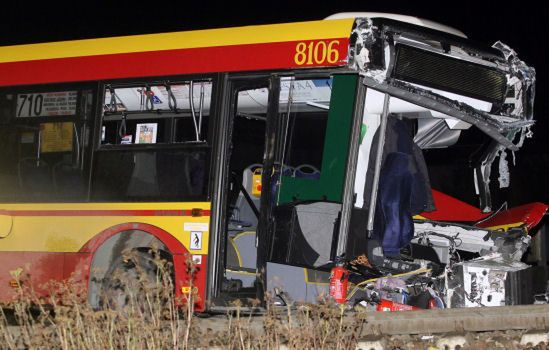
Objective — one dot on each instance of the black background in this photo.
(520, 24)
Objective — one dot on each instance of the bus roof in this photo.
(202, 51)
(402, 18)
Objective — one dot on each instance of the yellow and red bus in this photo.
(247, 150)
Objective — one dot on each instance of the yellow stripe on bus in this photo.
(179, 40)
(68, 227)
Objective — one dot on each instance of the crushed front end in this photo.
(438, 86)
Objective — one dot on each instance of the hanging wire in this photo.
(361, 284)
(502, 207)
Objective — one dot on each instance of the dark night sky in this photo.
(521, 25)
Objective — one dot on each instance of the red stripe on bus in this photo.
(152, 212)
(182, 61)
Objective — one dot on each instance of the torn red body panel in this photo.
(449, 208)
(529, 214)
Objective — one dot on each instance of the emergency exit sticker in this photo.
(196, 240)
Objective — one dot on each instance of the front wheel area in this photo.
(126, 263)
(141, 278)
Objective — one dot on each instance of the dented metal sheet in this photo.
(377, 48)
(373, 54)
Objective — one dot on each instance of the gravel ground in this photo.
(482, 341)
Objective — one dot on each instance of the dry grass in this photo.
(150, 318)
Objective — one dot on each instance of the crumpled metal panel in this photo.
(372, 54)
(509, 122)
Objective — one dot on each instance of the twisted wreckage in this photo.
(402, 244)
(337, 156)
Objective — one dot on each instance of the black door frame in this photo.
(228, 88)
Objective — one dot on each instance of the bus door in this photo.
(248, 119)
(308, 183)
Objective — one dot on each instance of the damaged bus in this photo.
(270, 158)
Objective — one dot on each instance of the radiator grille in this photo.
(446, 73)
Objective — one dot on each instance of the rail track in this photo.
(464, 320)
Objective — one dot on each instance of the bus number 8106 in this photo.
(319, 52)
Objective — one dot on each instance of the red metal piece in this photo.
(449, 208)
(339, 279)
(388, 305)
(529, 214)
(432, 304)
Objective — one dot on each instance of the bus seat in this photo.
(275, 179)
(243, 244)
(404, 188)
(527, 215)
(143, 181)
(190, 169)
(393, 213)
(35, 176)
(68, 181)
(244, 212)
(307, 171)
(305, 233)
(241, 258)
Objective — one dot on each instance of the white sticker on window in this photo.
(195, 226)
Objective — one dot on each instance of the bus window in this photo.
(318, 123)
(44, 145)
(149, 175)
(307, 118)
(153, 143)
(157, 113)
(317, 118)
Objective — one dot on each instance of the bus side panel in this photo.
(28, 269)
(58, 241)
(183, 259)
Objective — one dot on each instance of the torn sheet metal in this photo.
(521, 82)
(450, 237)
(439, 103)
(435, 133)
(379, 46)
(526, 216)
(447, 238)
(503, 166)
(366, 52)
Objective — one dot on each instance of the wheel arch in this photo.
(107, 245)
